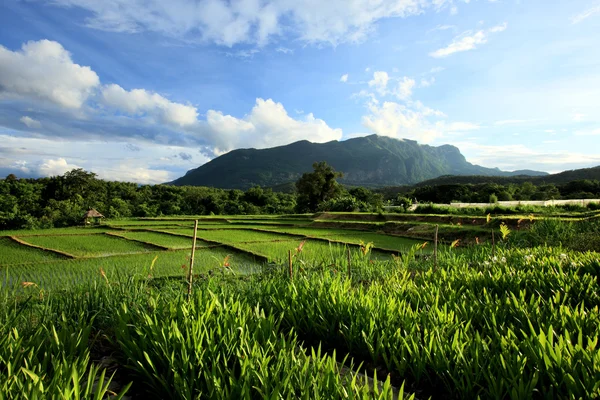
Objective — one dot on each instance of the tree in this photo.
(316, 187)
(404, 202)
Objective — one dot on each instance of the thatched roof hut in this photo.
(91, 213)
(92, 216)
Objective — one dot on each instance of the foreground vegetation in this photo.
(518, 325)
(106, 313)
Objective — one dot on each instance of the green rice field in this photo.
(89, 246)
(359, 314)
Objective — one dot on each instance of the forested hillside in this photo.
(371, 161)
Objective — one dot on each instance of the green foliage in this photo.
(521, 324)
(317, 187)
(62, 200)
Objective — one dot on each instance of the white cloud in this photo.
(396, 120)
(284, 50)
(411, 121)
(55, 167)
(140, 101)
(579, 117)
(442, 28)
(129, 173)
(590, 132)
(517, 156)
(380, 81)
(267, 125)
(511, 122)
(458, 126)
(586, 14)
(498, 28)
(250, 21)
(427, 82)
(467, 41)
(404, 89)
(344, 78)
(149, 164)
(44, 70)
(30, 122)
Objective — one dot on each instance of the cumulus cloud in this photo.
(410, 122)
(249, 21)
(344, 78)
(267, 125)
(44, 70)
(402, 90)
(398, 121)
(379, 81)
(405, 87)
(55, 167)
(128, 173)
(142, 102)
(468, 40)
(30, 122)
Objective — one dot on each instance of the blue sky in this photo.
(146, 90)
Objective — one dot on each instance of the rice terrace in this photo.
(326, 305)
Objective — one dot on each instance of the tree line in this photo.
(63, 200)
(493, 192)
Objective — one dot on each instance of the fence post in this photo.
(349, 264)
(191, 271)
(493, 244)
(435, 247)
(290, 265)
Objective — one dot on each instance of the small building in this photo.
(92, 217)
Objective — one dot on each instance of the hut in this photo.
(92, 217)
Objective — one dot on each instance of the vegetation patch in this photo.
(162, 239)
(89, 246)
(12, 252)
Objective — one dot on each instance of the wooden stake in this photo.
(191, 271)
(349, 264)
(290, 264)
(435, 245)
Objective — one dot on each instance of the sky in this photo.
(145, 90)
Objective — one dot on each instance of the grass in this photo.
(63, 274)
(15, 253)
(162, 239)
(56, 231)
(520, 323)
(89, 246)
(319, 252)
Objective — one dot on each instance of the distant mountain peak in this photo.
(370, 161)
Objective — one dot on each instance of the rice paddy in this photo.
(491, 320)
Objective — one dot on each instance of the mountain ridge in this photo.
(370, 161)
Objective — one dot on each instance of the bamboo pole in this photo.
(435, 247)
(290, 264)
(493, 244)
(349, 264)
(191, 271)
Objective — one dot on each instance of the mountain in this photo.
(371, 161)
(592, 173)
